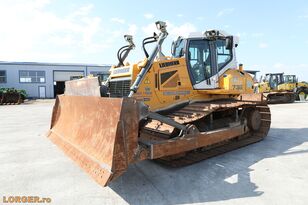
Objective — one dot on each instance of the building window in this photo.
(31, 76)
(103, 76)
(2, 76)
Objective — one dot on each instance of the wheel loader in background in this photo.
(177, 110)
(280, 88)
(290, 83)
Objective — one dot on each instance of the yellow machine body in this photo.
(164, 87)
(264, 87)
(291, 86)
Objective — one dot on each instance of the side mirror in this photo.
(229, 42)
(175, 45)
(173, 48)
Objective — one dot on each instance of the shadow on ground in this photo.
(220, 178)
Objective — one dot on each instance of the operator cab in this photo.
(208, 55)
(274, 79)
(290, 79)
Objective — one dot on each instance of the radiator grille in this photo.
(119, 88)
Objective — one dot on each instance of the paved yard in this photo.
(274, 171)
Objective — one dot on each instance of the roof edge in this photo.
(53, 64)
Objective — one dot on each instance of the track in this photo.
(196, 111)
(280, 97)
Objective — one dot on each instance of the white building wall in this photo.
(32, 89)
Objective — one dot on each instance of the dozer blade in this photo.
(83, 87)
(99, 134)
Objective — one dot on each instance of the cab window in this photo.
(275, 80)
(289, 79)
(199, 60)
(223, 54)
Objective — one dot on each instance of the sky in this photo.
(273, 34)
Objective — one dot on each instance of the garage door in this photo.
(66, 75)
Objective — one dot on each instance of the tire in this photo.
(104, 91)
(300, 90)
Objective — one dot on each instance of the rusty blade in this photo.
(83, 87)
(99, 134)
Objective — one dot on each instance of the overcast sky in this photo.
(273, 34)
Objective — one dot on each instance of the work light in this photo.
(160, 25)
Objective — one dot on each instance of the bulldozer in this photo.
(280, 88)
(176, 110)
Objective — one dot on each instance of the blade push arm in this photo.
(161, 26)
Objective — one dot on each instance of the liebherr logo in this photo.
(167, 64)
(120, 70)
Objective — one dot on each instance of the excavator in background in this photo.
(177, 109)
(280, 88)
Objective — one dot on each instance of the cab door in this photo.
(275, 80)
(202, 64)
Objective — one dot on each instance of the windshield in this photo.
(223, 53)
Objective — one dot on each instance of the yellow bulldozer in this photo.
(280, 88)
(177, 109)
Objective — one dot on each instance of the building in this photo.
(45, 80)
